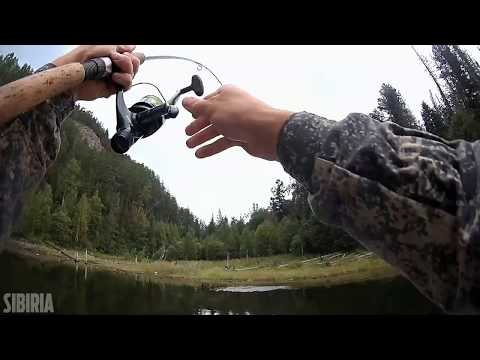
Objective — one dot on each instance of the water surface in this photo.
(84, 291)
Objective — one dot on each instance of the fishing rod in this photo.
(139, 121)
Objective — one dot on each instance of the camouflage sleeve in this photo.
(409, 196)
(28, 146)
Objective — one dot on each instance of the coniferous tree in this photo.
(10, 70)
(393, 108)
(278, 202)
(434, 123)
(446, 102)
(460, 74)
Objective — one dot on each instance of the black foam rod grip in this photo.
(98, 68)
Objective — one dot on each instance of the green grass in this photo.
(213, 273)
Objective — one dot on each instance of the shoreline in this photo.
(270, 271)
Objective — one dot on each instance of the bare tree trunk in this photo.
(424, 62)
(163, 253)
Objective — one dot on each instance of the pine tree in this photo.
(393, 107)
(10, 69)
(278, 202)
(459, 73)
(425, 62)
(433, 120)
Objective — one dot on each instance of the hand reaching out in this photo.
(239, 119)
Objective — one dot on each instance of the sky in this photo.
(330, 81)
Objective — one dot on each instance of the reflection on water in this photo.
(216, 312)
(252, 288)
(82, 290)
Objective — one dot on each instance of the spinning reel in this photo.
(146, 116)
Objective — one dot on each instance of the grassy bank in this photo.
(275, 270)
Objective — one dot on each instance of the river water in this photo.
(84, 291)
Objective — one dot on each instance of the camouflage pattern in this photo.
(409, 196)
(28, 146)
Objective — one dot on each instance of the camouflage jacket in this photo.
(28, 146)
(409, 196)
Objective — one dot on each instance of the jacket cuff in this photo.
(299, 142)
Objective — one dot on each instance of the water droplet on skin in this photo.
(199, 67)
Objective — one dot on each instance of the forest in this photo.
(106, 202)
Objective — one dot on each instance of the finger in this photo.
(122, 79)
(196, 106)
(98, 51)
(203, 136)
(215, 93)
(135, 62)
(189, 102)
(122, 62)
(125, 48)
(94, 89)
(216, 147)
(110, 89)
(196, 125)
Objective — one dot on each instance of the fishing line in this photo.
(155, 86)
(200, 66)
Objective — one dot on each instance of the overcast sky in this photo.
(331, 81)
